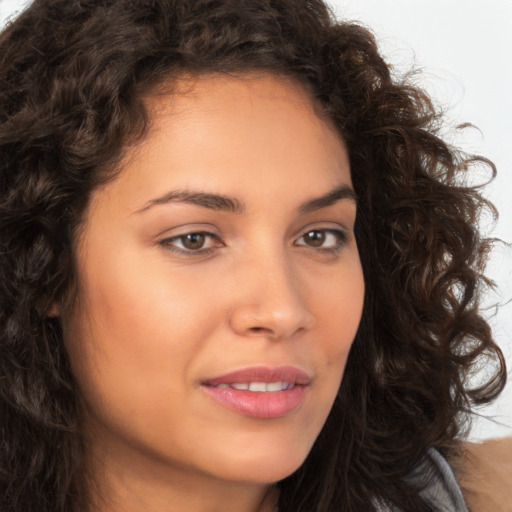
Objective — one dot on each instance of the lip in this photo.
(256, 404)
(262, 374)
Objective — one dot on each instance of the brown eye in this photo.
(193, 241)
(315, 238)
(323, 240)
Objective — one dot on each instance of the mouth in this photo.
(258, 387)
(260, 392)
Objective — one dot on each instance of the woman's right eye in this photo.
(198, 242)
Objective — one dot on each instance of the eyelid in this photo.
(333, 227)
(186, 228)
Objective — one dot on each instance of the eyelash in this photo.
(170, 243)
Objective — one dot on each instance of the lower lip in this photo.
(266, 405)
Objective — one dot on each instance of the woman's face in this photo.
(219, 285)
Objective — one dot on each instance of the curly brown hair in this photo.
(73, 78)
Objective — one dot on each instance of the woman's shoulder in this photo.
(477, 478)
(484, 472)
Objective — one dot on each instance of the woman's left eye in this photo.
(323, 239)
(198, 242)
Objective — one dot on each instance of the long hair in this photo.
(73, 78)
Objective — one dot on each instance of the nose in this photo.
(270, 302)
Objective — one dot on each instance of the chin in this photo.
(264, 466)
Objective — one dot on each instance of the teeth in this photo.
(258, 387)
(243, 386)
(275, 386)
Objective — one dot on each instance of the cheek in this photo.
(345, 313)
(132, 338)
(339, 306)
(131, 303)
(338, 313)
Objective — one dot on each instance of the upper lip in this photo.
(290, 374)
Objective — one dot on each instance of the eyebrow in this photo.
(338, 194)
(206, 200)
(232, 204)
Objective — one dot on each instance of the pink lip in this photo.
(267, 405)
(262, 374)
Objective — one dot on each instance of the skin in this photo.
(154, 319)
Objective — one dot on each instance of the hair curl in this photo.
(73, 77)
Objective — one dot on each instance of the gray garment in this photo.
(437, 485)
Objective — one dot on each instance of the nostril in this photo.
(260, 330)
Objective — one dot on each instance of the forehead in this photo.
(225, 110)
(260, 97)
(238, 136)
(208, 90)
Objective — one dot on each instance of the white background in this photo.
(464, 48)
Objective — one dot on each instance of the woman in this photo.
(239, 272)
